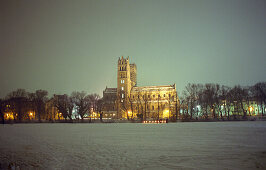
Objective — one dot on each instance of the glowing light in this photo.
(166, 113)
(250, 108)
(31, 114)
(129, 113)
(9, 116)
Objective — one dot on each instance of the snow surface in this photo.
(203, 145)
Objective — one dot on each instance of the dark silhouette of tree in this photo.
(17, 100)
(1, 111)
(131, 100)
(99, 104)
(222, 99)
(228, 102)
(259, 93)
(145, 100)
(82, 102)
(39, 98)
(158, 98)
(191, 94)
(239, 95)
(65, 105)
(17, 93)
(140, 106)
(93, 98)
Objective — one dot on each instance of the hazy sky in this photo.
(63, 46)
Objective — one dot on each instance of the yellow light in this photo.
(250, 108)
(129, 113)
(166, 113)
(31, 114)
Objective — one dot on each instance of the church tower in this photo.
(123, 85)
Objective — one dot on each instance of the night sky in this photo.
(63, 46)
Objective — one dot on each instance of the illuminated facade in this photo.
(129, 101)
(19, 109)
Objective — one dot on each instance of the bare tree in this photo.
(82, 102)
(65, 105)
(239, 94)
(139, 106)
(17, 93)
(191, 94)
(39, 98)
(93, 98)
(17, 100)
(99, 106)
(222, 99)
(131, 101)
(259, 92)
(1, 111)
(146, 99)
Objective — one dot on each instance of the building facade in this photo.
(129, 101)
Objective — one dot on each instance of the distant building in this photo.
(129, 101)
(18, 108)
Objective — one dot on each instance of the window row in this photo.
(123, 68)
(149, 96)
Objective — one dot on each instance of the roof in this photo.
(154, 88)
(110, 90)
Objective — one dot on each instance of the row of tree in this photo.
(217, 100)
(20, 102)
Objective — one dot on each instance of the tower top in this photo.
(122, 59)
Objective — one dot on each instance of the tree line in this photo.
(20, 104)
(205, 100)
(196, 101)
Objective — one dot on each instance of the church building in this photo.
(128, 101)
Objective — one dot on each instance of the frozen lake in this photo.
(202, 145)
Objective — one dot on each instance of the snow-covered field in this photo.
(203, 145)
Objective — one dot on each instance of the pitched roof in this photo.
(110, 90)
(153, 88)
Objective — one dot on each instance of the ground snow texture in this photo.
(203, 145)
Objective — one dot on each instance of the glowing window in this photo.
(122, 95)
(122, 88)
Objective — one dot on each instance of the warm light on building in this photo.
(94, 115)
(166, 114)
(9, 116)
(250, 108)
(129, 113)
